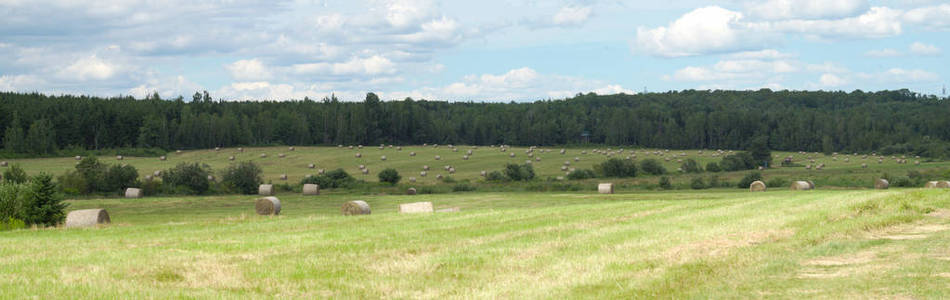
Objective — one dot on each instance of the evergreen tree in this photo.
(46, 205)
(13, 136)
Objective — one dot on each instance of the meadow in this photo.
(717, 243)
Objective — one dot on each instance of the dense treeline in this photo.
(889, 121)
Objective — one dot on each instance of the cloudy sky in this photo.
(492, 50)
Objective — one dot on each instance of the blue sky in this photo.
(492, 50)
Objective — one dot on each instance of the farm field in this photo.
(710, 244)
(295, 163)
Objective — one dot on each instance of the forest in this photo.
(900, 121)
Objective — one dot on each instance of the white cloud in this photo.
(613, 89)
(807, 9)
(167, 87)
(374, 65)
(831, 80)
(919, 48)
(906, 76)
(931, 17)
(887, 52)
(878, 22)
(761, 54)
(20, 83)
(571, 15)
(407, 13)
(704, 30)
(248, 69)
(749, 69)
(89, 68)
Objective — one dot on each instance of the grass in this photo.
(836, 172)
(709, 244)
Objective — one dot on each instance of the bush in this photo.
(15, 174)
(91, 171)
(188, 178)
(463, 187)
(390, 176)
(652, 167)
(697, 183)
(616, 167)
(665, 183)
(11, 224)
(448, 179)
(72, 183)
(331, 179)
(714, 181)
(748, 179)
(738, 162)
(12, 203)
(45, 205)
(495, 176)
(118, 177)
(691, 166)
(903, 181)
(523, 172)
(581, 174)
(775, 182)
(713, 167)
(243, 177)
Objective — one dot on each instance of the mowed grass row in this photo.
(829, 244)
(295, 164)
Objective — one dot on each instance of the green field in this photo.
(715, 243)
(837, 171)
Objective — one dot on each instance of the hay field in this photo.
(709, 244)
(295, 164)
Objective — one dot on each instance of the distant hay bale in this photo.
(931, 184)
(350, 147)
(265, 190)
(800, 186)
(157, 173)
(362, 167)
(283, 176)
(411, 191)
(133, 193)
(757, 186)
(383, 158)
(864, 166)
(563, 151)
(577, 159)
(438, 177)
(563, 168)
(423, 174)
(311, 166)
(210, 177)
(447, 167)
(267, 206)
(311, 189)
(469, 152)
(87, 218)
(881, 184)
(177, 151)
(425, 167)
(357, 207)
(231, 157)
(281, 155)
(483, 173)
(537, 158)
(451, 170)
(943, 184)
(162, 158)
(512, 154)
(605, 188)
(917, 162)
(263, 155)
(412, 153)
(399, 148)
(240, 149)
(465, 157)
(78, 157)
(416, 207)
(119, 157)
(321, 171)
(438, 157)
(358, 155)
(291, 149)
(148, 177)
(365, 171)
(412, 179)
(217, 148)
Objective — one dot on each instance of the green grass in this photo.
(709, 244)
(836, 173)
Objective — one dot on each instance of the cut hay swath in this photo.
(757, 186)
(87, 218)
(311, 189)
(357, 207)
(416, 207)
(267, 206)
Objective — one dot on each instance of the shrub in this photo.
(652, 167)
(448, 179)
(118, 178)
(331, 179)
(11, 224)
(665, 183)
(759, 152)
(15, 174)
(72, 183)
(775, 182)
(463, 187)
(748, 179)
(189, 178)
(691, 166)
(523, 172)
(45, 205)
(390, 176)
(714, 181)
(713, 167)
(616, 167)
(580, 174)
(738, 162)
(697, 183)
(903, 181)
(91, 171)
(243, 177)
(495, 176)
(12, 202)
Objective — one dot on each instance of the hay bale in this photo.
(383, 158)
(148, 177)
(78, 157)
(365, 171)
(361, 167)
(512, 154)
(438, 176)
(240, 149)
(358, 155)
(157, 173)
(311, 166)
(177, 151)
(210, 177)
(311, 189)
(411, 191)
(864, 166)
(605, 188)
(465, 157)
(119, 157)
(757, 186)
(413, 153)
(231, 157)
(263, 155)
(423, 174)
(133, 193)
(577, 159)
(483, 173)
(801, 186)
(931, 185)
(267, 206)
(358, 207)
(217, 149)
(291, 149)
(321, 171)
(265, 190)
(412, 179)
(87, 218)
(943, 184)
(438, 157)
(281, 155)
(416, 207)
(881, 184)
(425, 167)
(451, 170)
(283, 176)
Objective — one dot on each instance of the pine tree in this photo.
(46, 206)
(13, 136)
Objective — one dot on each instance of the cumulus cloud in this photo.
(571, 16)
(931, 17)
(374, 65)
(516, 84)
(919, 48)
(878, 22)
(248, 69)
(747, 69)
(704, 30)
(831, 80)
(807, 9)
(89, 68)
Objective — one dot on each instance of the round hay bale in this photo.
(412, 179)
(423, 174)
(512, 154)
(383, 158)
(263, 155)
(291, 148)
(358, 207)
(87, 218)
(412, 153)
(321, 171)
(265, 190)
(311, 189)
(917, 162)
(358, 155)
(231, 157)
(605, 188)
(438, 177)
(133, 193)
(359, 146)
(240, 149)
(177, 151)
(362, 167)
(148, 177)
(800, 186)
(864, 166)
(438, 157)
(881, 184)
(447, 167)
(267, 206)
(365, 171)
(350, 147)
(119, 157)
(577, 159)
(425, 167)
(157, 173)
(563, 168)
(399, 148)
(943, 184)
(483, 173)
(930, 185)
(217, 148)
(281, 155)
(311, 166)
(78, 157)
(757, 186)
(210, 177)
(411, 191)
(465, 157)
(451, 170)
(283, 176)
(563, 151)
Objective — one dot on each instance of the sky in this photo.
(487, 50)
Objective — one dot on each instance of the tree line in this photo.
(887, 121)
